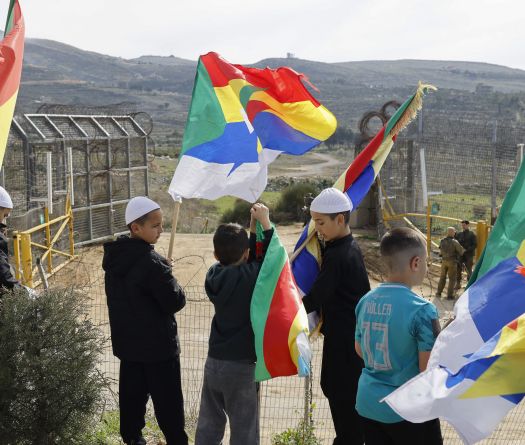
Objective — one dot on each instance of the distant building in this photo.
(290, 56)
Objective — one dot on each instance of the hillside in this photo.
(59, 73)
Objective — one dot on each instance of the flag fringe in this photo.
(411, 112)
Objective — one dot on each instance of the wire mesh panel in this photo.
(108, 166)
(468, 165)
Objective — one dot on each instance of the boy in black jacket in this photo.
(142, 297)
(229, 388)
(341, 283)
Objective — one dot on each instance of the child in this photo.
(395, 332)
(7, 280)
(342, 281)
(229, 388)
(142, 297)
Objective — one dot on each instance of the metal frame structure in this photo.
(86, 148)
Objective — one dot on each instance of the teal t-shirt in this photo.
(393, 325)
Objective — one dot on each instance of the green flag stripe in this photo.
(10, 19)
(204, 107)
(509, 229)
(393, 120)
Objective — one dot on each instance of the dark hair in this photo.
(140, 220)
(345, 214)
(465, 221)
(400, 239)
(230, 242)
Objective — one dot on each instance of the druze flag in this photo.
(240, 120)
(279, 320)
(11, 57)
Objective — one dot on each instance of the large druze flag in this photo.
(475, 372)
(240, 120)
(355, 182)
(11, 57)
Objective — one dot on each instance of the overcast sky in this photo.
(245, 31)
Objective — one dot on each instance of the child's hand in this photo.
(170, 261)
(261, 213)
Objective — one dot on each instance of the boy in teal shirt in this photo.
(395, 332)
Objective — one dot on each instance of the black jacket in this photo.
(7, 280)
(142, 297)
(230, 289)
(341, 283)
(468, 241)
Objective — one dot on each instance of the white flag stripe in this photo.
(427, 397)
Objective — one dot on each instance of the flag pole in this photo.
(296, 252)
(174, 219)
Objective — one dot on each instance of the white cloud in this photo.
(326, 30)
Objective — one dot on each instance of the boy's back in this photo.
(396, 330)
(393, 325)
(142, 297)
(230, 288)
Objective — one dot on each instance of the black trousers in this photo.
(162, 381)
(402, 433)
(347, 422)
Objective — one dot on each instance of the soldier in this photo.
(450, 251)
(308, 198)
(469, 242)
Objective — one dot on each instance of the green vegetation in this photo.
(107, 431)
(303, 434)
(51, 389)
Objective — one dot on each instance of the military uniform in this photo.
(469, 242)
(451, 251)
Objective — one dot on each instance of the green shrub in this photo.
(303, 434)
(240, 213)
(292, 201)
(49, 383)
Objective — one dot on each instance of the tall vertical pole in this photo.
(50, 182)
(71, 184)
(424, 189)
(48, 240)
(493, 172)
(520, 149)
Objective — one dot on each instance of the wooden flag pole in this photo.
(296, 253)
(174, 219)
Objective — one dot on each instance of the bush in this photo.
(240, 213)
(290, 206)
(302, 435)
(49, 384)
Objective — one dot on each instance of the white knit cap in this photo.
(139, 206)
(5, 199)
(331, 200)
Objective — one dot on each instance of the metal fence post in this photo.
(27, 259)
(16, 254)
(493, 172)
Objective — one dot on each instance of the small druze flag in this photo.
(279, 320)
(240, 120)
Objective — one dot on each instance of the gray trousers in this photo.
(229, 391)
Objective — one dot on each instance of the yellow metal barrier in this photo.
(23, 245)
(482, 228)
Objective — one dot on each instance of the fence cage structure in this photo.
(451, 169)
(100, 160)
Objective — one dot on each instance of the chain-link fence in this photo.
(463, 167)
(285, 401)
